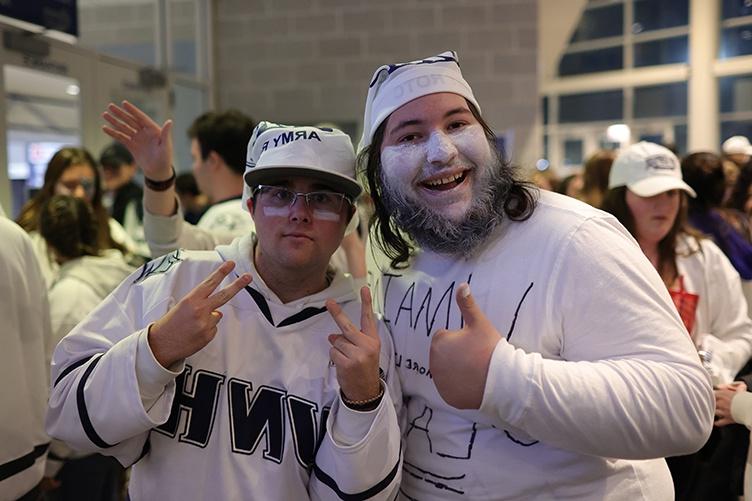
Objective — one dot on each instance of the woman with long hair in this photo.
(72, 171)
(649, 197)
(87, 274)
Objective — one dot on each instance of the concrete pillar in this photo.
(704, 33)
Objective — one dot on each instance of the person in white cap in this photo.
(738, 150)
(557, 376)
(736, 154)
(648, 196)
(236, 373)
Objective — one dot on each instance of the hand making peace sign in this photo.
(192, 323)
(355, 352)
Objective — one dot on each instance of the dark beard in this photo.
(436, 232)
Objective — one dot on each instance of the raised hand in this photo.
(459, 359)
(150, 144)
(724, 394)
(192, 323)
(355, 352)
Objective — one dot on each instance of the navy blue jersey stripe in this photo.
(293, 319)
(368, 493)
(261, 303)
(303, 314)
(71, 368)
(83, 413)
(26, 461)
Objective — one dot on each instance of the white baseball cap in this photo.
(394, 85)
(647, 169)
(277, 151)
(737, 145)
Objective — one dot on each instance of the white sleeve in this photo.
(741, 408)
(96, 403)
(628, 383)
(165, 234)
(730, 336)
(365, 460)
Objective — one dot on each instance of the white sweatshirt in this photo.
(24, 363)
(220, 224)
(255, 414)
(595, 373)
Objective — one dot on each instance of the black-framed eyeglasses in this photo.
(279, 197)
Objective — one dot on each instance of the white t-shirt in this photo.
(594, 373)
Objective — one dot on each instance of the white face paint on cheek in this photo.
(472, 144)
(285, 212)
(403, 162)
(276, 211)
(323, 215)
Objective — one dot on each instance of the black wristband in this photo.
(364, 405)
(160, 185)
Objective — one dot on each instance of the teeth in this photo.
(445, 180)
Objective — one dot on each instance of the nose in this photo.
(440, 149)
(79, 192)
(299, 211)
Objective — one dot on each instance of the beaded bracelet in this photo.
(359, 404)
(160, 185)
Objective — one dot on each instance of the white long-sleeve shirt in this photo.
(25, 347)
(255, 414)
(594, 376)
(722, 325)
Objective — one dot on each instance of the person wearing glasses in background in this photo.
(236, 372)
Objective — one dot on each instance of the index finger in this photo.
(205, 288)
(367, 320)
(224, 295)
(340, 318)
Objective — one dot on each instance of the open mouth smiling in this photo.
(446, 182)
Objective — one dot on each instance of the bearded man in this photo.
(567, 373)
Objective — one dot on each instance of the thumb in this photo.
(471, 313)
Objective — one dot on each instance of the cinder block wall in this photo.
(308, 61)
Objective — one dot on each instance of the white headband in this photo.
(394, 85)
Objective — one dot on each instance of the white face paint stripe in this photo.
(323, 215)
(276, 211)
(285, 212)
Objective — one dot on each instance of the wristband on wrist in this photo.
(364, 405)
(160, 185)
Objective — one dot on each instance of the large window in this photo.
(591, 107)
(600, 22)
(609, 34)
(659, 14)
(667, 100)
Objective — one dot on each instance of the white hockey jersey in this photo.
(256, 414)
(594, 373)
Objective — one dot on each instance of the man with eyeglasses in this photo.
(236, 373)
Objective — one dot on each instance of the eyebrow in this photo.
(408, 123)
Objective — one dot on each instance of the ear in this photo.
(214, 159)
(249, 204)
